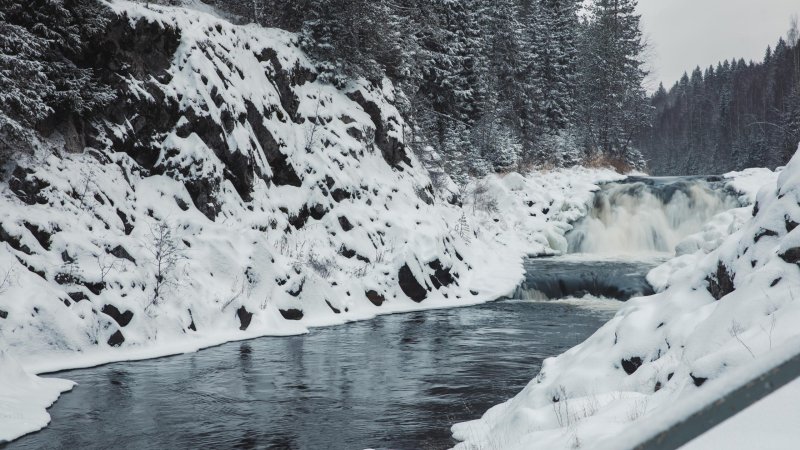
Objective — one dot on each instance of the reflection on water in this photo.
(393, 382)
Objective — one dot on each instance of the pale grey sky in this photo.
(686, 33)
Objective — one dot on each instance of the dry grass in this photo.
(601, 161)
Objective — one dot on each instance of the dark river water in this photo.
(396, 382)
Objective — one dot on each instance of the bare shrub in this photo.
(637, 410)
(603, 161)
(735, 331)
(106, 263)
(5, 279)
(324, 267)
(482, 199)
(165, 252)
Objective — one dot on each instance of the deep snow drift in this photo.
(233, 194)
(726, 306)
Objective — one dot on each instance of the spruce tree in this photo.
(615, 106)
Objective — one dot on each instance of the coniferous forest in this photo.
(488, 85)
(484, 85)
(728, 117)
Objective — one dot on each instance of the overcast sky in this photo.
(687, 33)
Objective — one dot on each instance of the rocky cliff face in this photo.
(226, 191)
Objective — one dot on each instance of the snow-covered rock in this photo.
(726, 304)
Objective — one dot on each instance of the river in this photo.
(397, 381)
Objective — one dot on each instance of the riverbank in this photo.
(723, 304)
(397, 381)
(500, 236)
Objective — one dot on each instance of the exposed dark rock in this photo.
(356, 134)
(764, 233)
(244, 317)
(410, 286)
(95, 288)
(31, 268)
(376, 298)
(285, 79)
(441, 276)
(77, 296)
(631, 365)
(116, 339)
(299, 219)
(318, 211)
(657, 386)
(393, 151)
(203, 192)
(65, 256)
(43, 237)
(790, 224)
(340, 195)
(27, 187)
(120, 252)
(125, 223)
(775, 282)
(283, 173)
(3, 314)
(720, 284)
(123, 319)
(335, 310)
(298, 291)
(791, 256)
(141, 50)
(698, 381)
(14, 241)
(345, 223)
(239, 168)
(192, 326)
(347, 253)
(181, 204)
(291, 314)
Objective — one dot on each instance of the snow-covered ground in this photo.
(725, 308)
(234, 195)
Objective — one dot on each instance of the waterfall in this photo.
(648, 215)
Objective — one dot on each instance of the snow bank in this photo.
(725, 304)
(24, 398)
(233, 195)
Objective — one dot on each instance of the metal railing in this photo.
(724, 408)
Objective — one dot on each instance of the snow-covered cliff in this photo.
(230, 194)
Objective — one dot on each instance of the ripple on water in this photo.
(397, 381)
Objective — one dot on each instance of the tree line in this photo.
(728, 117)
(490, 85)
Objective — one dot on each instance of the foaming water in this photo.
(648, 215)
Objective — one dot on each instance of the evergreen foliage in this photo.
(728, 117)
(489, 84)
